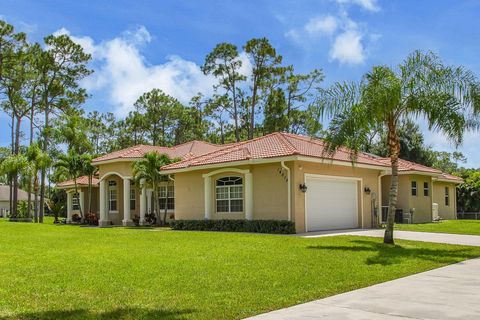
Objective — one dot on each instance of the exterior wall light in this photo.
(303, 187)
(367, 190)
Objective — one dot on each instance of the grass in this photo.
(471, 227)
(71, 272)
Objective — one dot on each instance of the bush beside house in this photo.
(256, 226)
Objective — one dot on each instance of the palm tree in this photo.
(13, 165)
(72, 164)
(148, 169)
(37, 160)
(71, 130)
(89, 170)
(448, 98)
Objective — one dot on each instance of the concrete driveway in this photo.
(461, 239)
(451, 292)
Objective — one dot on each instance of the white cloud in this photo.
(323, 25)
(124, 74)
(86, 42)
(348, 48)
(370, 5)
(246, 68)
(27, 27)
(346, 36)
(317, 26)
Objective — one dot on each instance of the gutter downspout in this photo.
(289, 190)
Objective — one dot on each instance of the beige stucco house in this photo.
(278, 176)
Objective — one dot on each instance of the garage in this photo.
(331, 203)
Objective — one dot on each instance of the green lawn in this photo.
(71, 272)
(446, 226)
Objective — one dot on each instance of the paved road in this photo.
(447, 293)
(406, 235)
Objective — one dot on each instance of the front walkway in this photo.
(450, 292)
(460, 239)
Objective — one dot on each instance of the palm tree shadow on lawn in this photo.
(389, 255)
(120, 313)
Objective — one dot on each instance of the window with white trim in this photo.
(75, 202)
(229, 194)
(414, 188)
(132, 199)
(112, 196)
(426, 189)
(447, 196)
(166, 194)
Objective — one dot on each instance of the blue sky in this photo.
(138, 45)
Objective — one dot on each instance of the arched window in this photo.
(229, 194)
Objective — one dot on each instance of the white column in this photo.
(143, 202)
(248, 196)
(69, 206)
(149, 201)
(207, 187)
(103, 222)
(127, 221)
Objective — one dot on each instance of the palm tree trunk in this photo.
(394, 147)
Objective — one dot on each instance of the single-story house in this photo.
(278, 176)
(5, 199)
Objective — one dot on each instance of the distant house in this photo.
(279, 176)
(5, 199)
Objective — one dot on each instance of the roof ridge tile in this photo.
(289, 145)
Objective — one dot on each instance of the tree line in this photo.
(37, 83)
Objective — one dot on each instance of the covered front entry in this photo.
(331, 203)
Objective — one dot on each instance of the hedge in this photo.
(257, 226)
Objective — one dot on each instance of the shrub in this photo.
(91, 219)
(136, 220)
(22, 209)
(257, 226)
(151, 219)
(76, 218)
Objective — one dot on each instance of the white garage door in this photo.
(331, 203)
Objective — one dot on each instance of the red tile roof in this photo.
(278, 144)
(81, 182)
(404, 165)
(184, 151)
(271, 146)
(449, 177)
